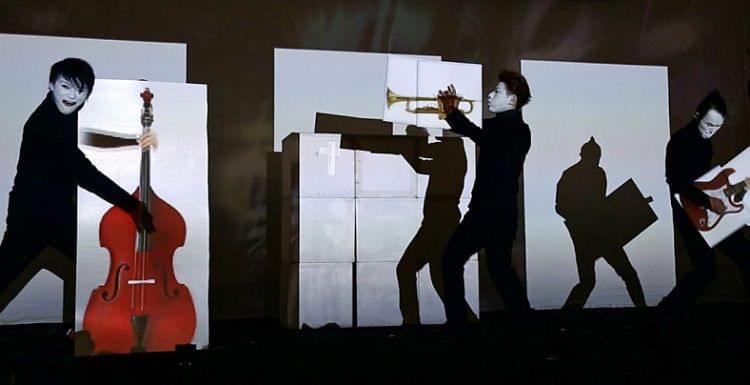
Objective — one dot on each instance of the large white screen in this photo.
(25, 62)
(625, 108)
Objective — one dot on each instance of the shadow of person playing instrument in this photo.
(444, 162)
(582, 201)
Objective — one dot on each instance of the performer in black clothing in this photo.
(42, 204)
(688, 157)
(491, 221)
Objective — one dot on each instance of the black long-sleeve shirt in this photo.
(688, 157)
(50, 166)
(503, 144)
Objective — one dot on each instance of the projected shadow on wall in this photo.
(600, 225)
(444, 162)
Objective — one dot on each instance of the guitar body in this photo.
(703, 218)
(165, 305)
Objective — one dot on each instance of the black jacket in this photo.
(503, 144)
(688, 157)
(50, 166)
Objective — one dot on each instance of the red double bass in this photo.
(141, 306)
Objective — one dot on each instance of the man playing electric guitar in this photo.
(689, 153)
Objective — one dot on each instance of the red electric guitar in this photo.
(719, 187)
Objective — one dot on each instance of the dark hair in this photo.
(516, 84)
(712, 101)
(74, 69)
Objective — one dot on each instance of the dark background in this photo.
(705, 44)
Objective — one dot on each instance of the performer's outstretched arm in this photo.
(93, 180)
(460, 124)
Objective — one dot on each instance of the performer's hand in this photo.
(448, 99)
(142, 218)
(148, 140)
(717, 205)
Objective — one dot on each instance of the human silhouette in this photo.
(445, 163)
(581, 201)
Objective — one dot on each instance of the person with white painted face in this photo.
(42, 203)
(492, 220)
(688, 157)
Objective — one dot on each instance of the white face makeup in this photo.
(67, 95)
(499, 100)
(710, 123)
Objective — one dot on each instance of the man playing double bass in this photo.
(42, 203)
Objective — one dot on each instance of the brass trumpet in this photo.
(392, 98)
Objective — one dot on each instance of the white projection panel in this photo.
(179, 176)
(625, 108)
(401, 81)
(336, 82)
(434, 76)
(25, 62)
(413, 84)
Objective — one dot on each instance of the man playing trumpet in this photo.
(491, 221)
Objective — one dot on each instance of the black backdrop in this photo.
(705, 44)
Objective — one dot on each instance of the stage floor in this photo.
(602, 346)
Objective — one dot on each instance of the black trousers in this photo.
(494, 232)
(25, 237)
(703, 260)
